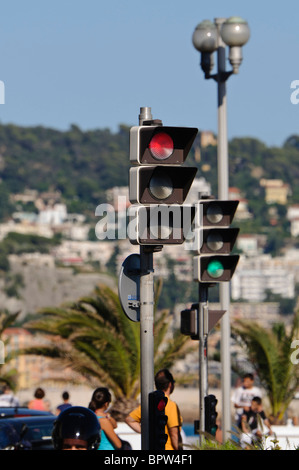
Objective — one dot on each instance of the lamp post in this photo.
(207, 38)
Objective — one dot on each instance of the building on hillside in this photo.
(276, 191)
(242, 212)
(293, 217)
(256, 275)
(251, 244)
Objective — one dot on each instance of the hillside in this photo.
(83, 165)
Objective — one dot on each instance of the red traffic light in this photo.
(161, 405)
(157, 420)
(168, 145)
(161, 146)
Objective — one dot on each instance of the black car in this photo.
(20, 411)
(27, 433)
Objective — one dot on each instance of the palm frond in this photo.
(269, 353)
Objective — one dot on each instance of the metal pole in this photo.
(223, 186)
(203, 354)
(146, 339)
(146, 324)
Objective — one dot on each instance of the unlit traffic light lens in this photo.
(214, 214)
(161, 146)
(160, 185)
(215, 269)
(215, 241)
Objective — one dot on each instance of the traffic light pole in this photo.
(157, 181)
(146, 338)
(203, 330)
(146, 324)
(223, 185)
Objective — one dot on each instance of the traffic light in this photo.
(157, 420)
(160, 144)
(159, 183)
(214, 241)
(189, 322)
(211, 414)
(159, 224)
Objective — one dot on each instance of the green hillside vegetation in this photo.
(82, 165)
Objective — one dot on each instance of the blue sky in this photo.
(95, 63)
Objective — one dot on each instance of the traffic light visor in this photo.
(163, 144)
(160, 224)
(216, 213)
(216, 240)
(160, 184)
(214, 268)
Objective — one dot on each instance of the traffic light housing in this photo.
(157, 420)
(160, 184)
(211, 414)
(190, 321)
(159, 224)
(158, 180)
(160, 144)
(214, 241)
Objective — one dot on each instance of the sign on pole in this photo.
(129, 287)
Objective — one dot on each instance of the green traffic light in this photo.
(215, 269)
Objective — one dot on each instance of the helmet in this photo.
(78, 423)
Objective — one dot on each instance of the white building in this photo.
(85, 251)
(254, 276)
(293, 217)
(55, 215)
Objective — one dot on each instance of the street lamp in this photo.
(207, 38)
(235, 33)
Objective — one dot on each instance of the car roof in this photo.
(27, 419)
(11, 411)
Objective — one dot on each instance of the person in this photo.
(243, 395)
(254, 423)
(65, 404)
(163, 381)
(39, 403)
(7, 398)
(100, 402)
(76, 428)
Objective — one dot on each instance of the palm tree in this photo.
(269, 351)
(96, 339)
(8, 375)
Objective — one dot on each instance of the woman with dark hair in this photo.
(100, 401)
(39, 402)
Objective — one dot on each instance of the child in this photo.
(254, 423)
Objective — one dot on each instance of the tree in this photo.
(269, 352)
(96, 339)
(8, 375)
